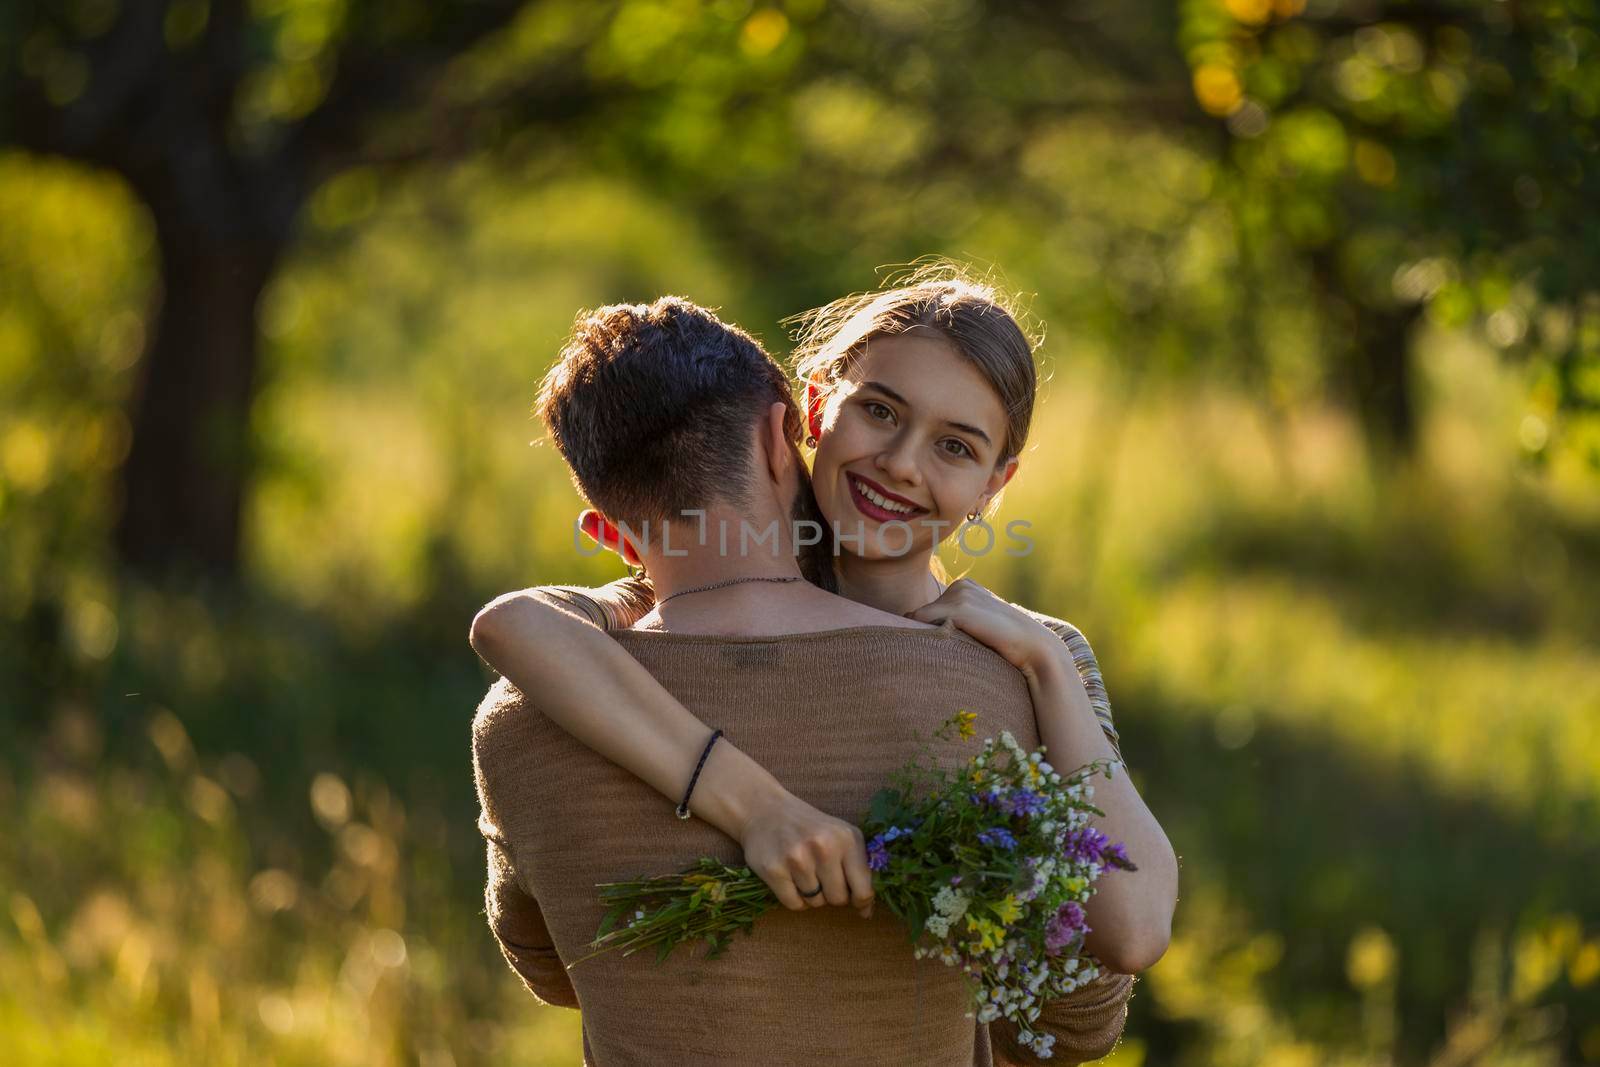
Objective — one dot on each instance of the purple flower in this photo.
(1065, 925)
(1117, 856)
(1025, 802)
(878, 847)
(955, 879)
(997, 836)
(1085, 845)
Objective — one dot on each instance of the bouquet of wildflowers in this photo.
(989, 867)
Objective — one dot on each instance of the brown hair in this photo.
(975, 317)
(652, 407)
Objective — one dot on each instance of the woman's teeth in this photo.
(886, 505)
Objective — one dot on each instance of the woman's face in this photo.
(913, 434)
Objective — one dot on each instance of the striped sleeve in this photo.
(1086, 1025)
(1089, 671)
(614, 606)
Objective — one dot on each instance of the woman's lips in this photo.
(873, 511)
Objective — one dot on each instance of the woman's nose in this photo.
(898, 466)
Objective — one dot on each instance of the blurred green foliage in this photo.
(1424, 158)
(1359, 685)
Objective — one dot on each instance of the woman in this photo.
(918, 401)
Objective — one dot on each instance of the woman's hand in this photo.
(1021, 639)
(793, 846)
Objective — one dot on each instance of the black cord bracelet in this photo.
(683, 808)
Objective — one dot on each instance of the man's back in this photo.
(831, 714)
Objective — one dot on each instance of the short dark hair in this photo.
(652, 407)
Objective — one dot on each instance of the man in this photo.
(663, 411)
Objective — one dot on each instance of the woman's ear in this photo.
(601, 529)
(998, 480)
(814, 400)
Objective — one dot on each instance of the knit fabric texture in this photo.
(831, 714)
(619, 604)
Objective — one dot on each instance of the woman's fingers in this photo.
(795, 849)
(781, 882)
(807, 872)
(835, 890)
(859, 875)
(811, 867)
(956, 596)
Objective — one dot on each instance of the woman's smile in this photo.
(877, 503)
(919, 415)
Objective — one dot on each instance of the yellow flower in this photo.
(964, 721)
(989, 935)
(1008, 910)
(710, 885)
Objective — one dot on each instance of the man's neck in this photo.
(727, 548)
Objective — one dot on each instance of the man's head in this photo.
(659, 409)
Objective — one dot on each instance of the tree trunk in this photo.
(183, 482)
(1372, 359)
(1378, 372)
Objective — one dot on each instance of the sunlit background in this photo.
(1316, 469)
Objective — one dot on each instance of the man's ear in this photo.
(601, 529)
(998, 480)
(814, 401)
(775, 437)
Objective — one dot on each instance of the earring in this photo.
(972, 516)
(811, 441)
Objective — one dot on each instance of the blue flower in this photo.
(877, 854)
(1025, 802)
(998, 836)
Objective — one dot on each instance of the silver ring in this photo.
(814, 892)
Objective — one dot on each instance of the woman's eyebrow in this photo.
(886, 391)
(898, 399)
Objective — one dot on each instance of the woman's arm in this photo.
(1088, 672)
(1131, 911)
(614, 606)
(547, 642)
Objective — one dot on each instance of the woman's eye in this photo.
(960, 448)
(877, 410)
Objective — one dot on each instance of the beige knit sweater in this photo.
(831, 714)
(619, 604)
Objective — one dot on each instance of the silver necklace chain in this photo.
(730, 581)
